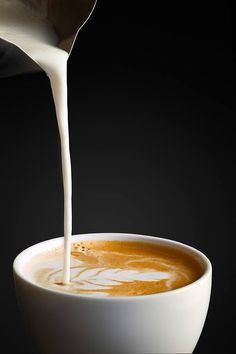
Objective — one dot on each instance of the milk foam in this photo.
(83, 278)
(37, 38)
(93, 281)
(114, 268)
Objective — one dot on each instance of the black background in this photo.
(151, 104)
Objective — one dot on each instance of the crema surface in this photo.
(117, 268)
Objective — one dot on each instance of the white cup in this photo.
(62, 323)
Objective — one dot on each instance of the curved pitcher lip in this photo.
(82, 25)
(28, 64)
(55, 242)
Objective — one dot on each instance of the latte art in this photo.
(118, 268)
(103, 280)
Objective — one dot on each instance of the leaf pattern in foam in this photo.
(97, 278)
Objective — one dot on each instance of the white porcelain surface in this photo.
(61, 323)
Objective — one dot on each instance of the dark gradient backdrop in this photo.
(151, 103)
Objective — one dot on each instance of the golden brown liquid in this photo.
(122, 268)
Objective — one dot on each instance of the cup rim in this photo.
(35, 249)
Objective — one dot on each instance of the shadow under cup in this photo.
(59, 323)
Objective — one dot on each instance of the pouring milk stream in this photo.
(39, 32)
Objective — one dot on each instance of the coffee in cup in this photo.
(129, 308)
(116, 268)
